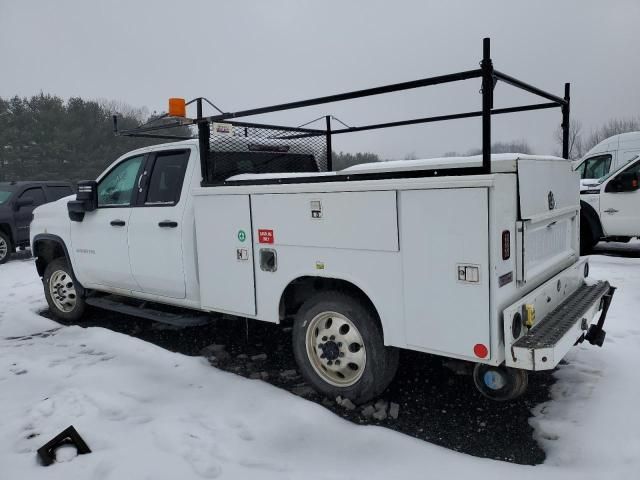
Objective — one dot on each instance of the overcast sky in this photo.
(243, 54)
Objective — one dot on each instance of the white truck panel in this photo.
(225, 256)
(352, 220)
(377, 273)
(442, 231)
(560, 188)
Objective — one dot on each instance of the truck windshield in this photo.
(4, 195)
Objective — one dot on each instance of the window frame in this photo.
(33, 187)
(151, 164)
(136, 193)
(608, 187)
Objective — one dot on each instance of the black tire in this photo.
(381, 362)
(587, 239)
(515, 381)
(4, 238)
(59, 268)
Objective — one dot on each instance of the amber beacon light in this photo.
(177, 107)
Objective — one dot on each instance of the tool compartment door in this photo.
(225, 254)
(441, 232)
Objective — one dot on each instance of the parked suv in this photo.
(17, 201)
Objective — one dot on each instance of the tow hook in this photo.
(595, 335)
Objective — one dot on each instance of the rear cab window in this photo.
(167, 178)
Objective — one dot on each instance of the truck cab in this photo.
(608, 155)
(611, 206)
(17, 202)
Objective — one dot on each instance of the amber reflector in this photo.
(177, 107)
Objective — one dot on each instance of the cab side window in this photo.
(167, 178)
(117, 187)
(58, 192)
(595, 167)
(35, 194)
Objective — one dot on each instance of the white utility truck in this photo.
(470, 258)
(610, 206)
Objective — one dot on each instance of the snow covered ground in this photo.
(151, 414)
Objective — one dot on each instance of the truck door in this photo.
(620, 211)
(156, 226)
(24, 213)
(99, 242)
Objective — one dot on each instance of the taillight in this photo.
(506, 245)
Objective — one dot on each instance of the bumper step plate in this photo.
(554, 326)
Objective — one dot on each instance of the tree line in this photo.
(47, 138)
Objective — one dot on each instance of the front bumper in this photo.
(566, 321)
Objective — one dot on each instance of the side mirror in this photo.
(86, 200)
(22, 202)
(88, 193)
(625, 182)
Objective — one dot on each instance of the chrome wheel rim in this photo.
(62, 291)
(335, 349)
(4, 248)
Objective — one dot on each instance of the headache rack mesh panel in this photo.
(248, 149)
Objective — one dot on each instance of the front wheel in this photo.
(63, 295)
(5, 247)
(339, 348)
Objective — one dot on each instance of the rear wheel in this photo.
(63, 295)
(5, 247)
(500, 383)
(339, 348)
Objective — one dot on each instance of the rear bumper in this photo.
(567, 305)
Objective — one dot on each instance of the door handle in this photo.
(117, 223)
(611, 210)
(168, 224)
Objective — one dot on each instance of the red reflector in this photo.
(506, 245)
(480, 350)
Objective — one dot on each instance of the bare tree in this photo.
(118, 107)
(612, 127)
(516, 146)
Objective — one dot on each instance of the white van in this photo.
(609, 155)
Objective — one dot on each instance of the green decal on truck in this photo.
(241, 235)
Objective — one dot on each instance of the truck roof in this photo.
(500, 163)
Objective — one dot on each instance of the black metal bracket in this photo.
(596, 334)
(69, 436)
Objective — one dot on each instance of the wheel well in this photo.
(589, 216)
(6, 229)
(45, 251)
(300, 289)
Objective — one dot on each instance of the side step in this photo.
(117, 304)
(551, 329)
